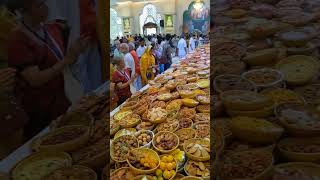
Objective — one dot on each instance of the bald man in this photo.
(129, 63)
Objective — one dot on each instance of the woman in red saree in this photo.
(37, 51)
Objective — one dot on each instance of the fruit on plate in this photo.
(189, 102)
(144, 137)
(255, 130)
(143, 159)
(167, 168)
(122, 174)
(73, 172)
(157, 115)
(198, 169)
(197, 149)
(121, 147)
(281, 96)
(179, 155)
(247, 164)
(165, 141)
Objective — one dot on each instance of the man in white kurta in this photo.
(182, 47)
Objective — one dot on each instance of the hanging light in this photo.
(198, 5)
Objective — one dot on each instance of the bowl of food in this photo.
(121, 174)
(64, 139)
(165, 141)
(298, 69)
(73, 118)
(227, 82)
(203, 99)
(300, 149)
(114, 127)
(245, 100)
(144, 138)
(77, 172)
(129, 105)
(93, 156)
(165, 97)
(185, 134)
(185, 123)
(130, 121)
(121, 146)
(197, 149)
(171, 124)
(197, 169)
(202, 117)
(238, 165)
(39, 165)
(189, 102)
(203, 83)
(300, 170)
(168, 167)
(204, 108)
(265, 78)
(143, 160)
(294, 38)
(174, 106)
(157, 115)
(283, 96)
(299, 120)
(255, 130)
(202, 129)
(122, 114)
(145, 125)
(261, 57)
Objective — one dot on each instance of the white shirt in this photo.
(129, 63)
(140, 51)
(182, 44)
(192, 44)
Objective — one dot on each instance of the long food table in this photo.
(173, 108)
